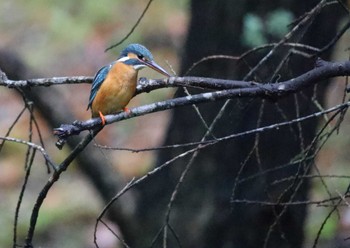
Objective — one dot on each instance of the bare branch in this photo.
(44, 81)
(272, 91)
(133, 28)
(100, 216)
(34, 146)
(20, 198)
(297, 32)
(55, 176)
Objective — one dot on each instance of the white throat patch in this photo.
(136, 67)
(122, 59)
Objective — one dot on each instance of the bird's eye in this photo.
(140, 56)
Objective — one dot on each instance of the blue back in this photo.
(100, 76)
(97, 82)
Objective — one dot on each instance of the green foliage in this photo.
(253, 31)
(258, 30)
(277, 22)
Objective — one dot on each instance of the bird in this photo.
(114, 85)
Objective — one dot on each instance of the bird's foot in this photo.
(126, 110)
(103, 119)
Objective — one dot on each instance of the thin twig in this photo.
(115, 234)
(20, 197)
(34, 146)
(55, 176)
(107, 206)
(133, 28)
(339, 107)
(11, 127)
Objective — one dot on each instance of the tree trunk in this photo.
(206, 212)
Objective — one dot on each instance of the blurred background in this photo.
(68, 38)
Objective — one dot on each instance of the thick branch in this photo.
(144, 85)
(147, 85)
(44, 81)
(232, 89)
(226, 89)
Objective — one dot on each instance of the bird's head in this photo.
(139, 57)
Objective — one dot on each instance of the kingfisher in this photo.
(115, 84)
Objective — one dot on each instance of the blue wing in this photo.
(97, 82)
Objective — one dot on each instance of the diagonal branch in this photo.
(55, 176)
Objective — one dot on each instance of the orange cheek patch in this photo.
(132, 55)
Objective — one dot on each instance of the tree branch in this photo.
(144, 85)
(43, 81)
(89, 159)
(225, 89)
(55, 176)
(228, 89)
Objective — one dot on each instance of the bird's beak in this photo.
(153, 65)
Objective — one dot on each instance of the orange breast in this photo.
(116, 90)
